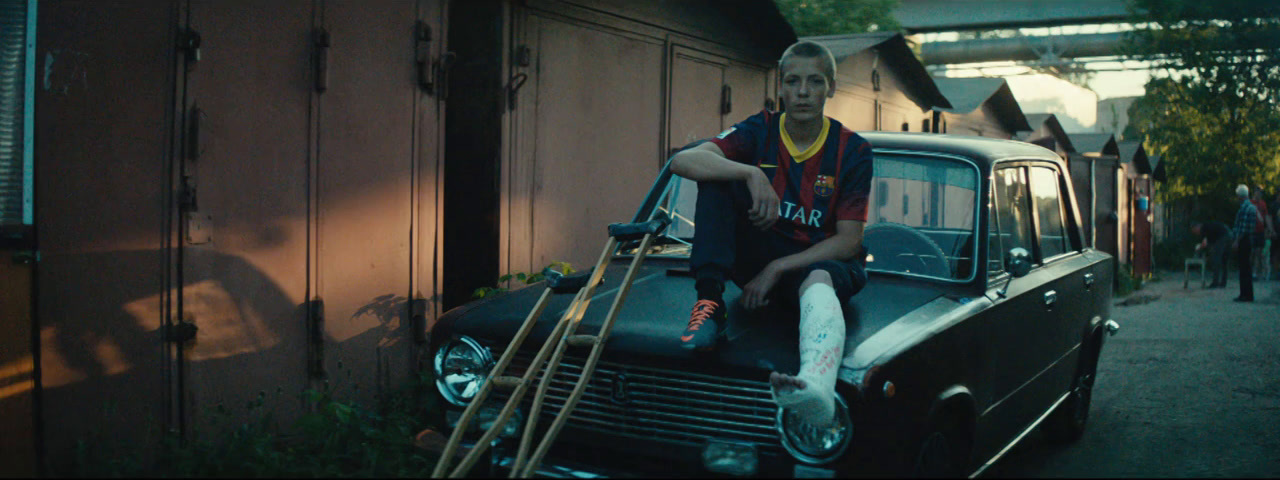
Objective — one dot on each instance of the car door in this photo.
(1060, 331)
(1021, 307)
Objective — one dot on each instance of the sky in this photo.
(1126, 80)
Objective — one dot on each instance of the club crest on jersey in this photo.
(825, 186)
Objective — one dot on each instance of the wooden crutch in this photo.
(597, 342)
(556, 283)
(518, 385)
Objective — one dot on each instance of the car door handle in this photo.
(1088, 280)
(1050, 297)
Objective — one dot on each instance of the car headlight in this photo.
(462, 366)
(816, 445)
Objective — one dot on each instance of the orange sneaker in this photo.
(704, 323)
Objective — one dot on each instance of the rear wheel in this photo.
(1067, 422)
(942, 451)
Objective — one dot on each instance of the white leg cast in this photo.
(821, 350)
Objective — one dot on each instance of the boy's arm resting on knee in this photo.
(841, 246)
(706, 162)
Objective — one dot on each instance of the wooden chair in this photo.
(1197, 261)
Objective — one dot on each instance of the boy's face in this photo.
(804, 88)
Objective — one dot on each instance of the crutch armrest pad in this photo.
(561, 283)
(635, 231)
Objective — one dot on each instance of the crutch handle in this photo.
(634, 231)
(561, 283)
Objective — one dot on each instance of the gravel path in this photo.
(1189, 387)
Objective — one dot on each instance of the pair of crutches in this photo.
(564, 335)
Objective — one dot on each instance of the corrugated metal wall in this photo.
(230, 183)
(103, 136)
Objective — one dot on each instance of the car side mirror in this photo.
(1018, 263)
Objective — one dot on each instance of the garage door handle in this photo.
(1050, 297)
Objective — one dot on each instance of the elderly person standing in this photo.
(1246, 221)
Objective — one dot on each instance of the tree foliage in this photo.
(1214, 117)
(834, 17)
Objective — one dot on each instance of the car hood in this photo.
(657, 308)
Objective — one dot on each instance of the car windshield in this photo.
(920, 217)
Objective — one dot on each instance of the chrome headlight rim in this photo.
(486, 363)
(842, 418)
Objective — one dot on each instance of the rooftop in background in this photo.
(968, 94)
(949, 15)
(1047, 131)
(892, 46)
(1095, 144)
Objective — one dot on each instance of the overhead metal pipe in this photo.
(1021, 48)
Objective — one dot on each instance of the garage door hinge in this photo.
(183, 331)
(418, 319)
(187, 196)
(321, 60)
(422, 52)
(189, 45)
(432, 74)
(315, 338)
(726, 99)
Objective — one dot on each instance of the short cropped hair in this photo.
(1242, 191)
(807, 49)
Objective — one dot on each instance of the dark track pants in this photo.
(1243, 255)
(1218, 259)
(727, 246)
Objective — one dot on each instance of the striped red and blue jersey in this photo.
(830, 181)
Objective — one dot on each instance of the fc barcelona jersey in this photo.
(828, 182)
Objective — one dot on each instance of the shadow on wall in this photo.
(109, 385)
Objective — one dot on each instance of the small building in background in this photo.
(980, 106)
(1113, 116)
(1047, 132)
(1141, 187)
(880, 84)
(1097, 178)
(1075, 106)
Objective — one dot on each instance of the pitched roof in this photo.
(1049, 120)
(891, 46)
(1095, 143)
(968, 94)
(1157, 168)
(1132, 151)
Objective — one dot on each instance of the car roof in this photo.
(984, 151)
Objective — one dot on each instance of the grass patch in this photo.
(333, 439)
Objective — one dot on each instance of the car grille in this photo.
(667, 406)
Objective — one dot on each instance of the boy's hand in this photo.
(764, 200)
(754, 294)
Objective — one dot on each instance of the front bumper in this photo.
(590, 456)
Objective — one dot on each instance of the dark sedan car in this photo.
(983, 318)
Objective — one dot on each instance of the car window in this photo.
(920, 220)
(1044, 189)
(1011, 222)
